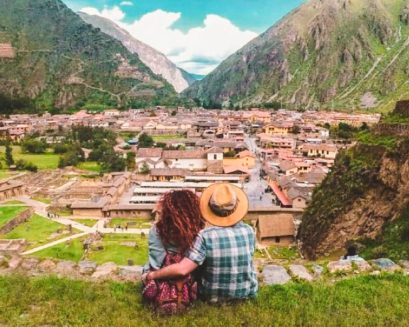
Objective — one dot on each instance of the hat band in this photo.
(222, 212)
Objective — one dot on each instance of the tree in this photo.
(130, 160)
(145, 170)
(9, 155)
(145, 141)
(33, 146)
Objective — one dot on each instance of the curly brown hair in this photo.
(180, 219)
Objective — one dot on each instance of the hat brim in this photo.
(240, 212)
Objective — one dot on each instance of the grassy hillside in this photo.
(62, 62)
(325, 54)
(361, 301)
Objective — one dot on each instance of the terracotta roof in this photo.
(149, 153)
(245, 153)
(215, 149)
(169, 172)
(235, 169)
(280, 194)
(183, 154)
(276, 225)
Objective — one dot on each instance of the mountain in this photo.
(365, 198)
(326, 53)
(50, 56)
(152, 58)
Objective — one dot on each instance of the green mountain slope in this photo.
(60, 61)
(327, 53)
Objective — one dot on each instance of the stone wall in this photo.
(392, 129)
(19, 219)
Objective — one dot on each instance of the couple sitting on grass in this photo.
(200, 248)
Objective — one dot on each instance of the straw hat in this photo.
(223, 204)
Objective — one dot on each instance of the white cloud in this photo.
(199, 50)
(126, 3)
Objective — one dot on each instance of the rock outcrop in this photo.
(367, 188)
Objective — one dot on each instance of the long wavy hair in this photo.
(180, 219)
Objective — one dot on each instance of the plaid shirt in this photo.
(226, 254)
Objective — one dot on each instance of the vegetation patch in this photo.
(9, 213)
(37, 231)
(91, 166)
(70, 250)
(47, 160)
(361, 301)
(131, 223)
(120, 248)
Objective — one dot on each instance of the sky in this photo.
(195, 34)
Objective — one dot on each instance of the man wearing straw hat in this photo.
(224, 250)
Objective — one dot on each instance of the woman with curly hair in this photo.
(172, 236)
(179, 222)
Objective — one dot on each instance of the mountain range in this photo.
(152, 58)
(342, 54)
(51, 57)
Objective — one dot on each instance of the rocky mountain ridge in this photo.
(59, 61)
(326, 53)
(152, 58)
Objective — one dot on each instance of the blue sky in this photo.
(174, 26)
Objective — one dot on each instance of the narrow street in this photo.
(255, 189)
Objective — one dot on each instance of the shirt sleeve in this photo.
(157, 251)
(198, 251)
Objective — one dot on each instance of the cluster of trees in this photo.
(33, 145)
(346, 131)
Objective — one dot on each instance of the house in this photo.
(245, 159)
(282, 128)
(194, 160)
(168, 174)
(215, 160)
(276, 229)
(11, 188)
(150, 157)
(327, 151)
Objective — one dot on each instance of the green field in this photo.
(8, 213)
(119, 253)
(113, 250)
(71, 250)
(47, 160)
(4, 173)
(132, 223)
(42, 199)
(87, 222)
(360, 301)
(91, 166)
(36, 231)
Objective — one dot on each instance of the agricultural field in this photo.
(4, 173)
(47, 160)
(167, 137)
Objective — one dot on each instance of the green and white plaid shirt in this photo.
(226, 254)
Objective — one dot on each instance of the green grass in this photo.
(71, 250)
(4, 174)
(42, 199)
(279, 252)
(114, 251)
(360, 301)
(36, 231)
(47, 160)
(9, 213)
(14, 202)
(132, 223)
(366, 137)
(87, 222)
(91, 166)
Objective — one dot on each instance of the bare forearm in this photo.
(169, 272)
(177, 270)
